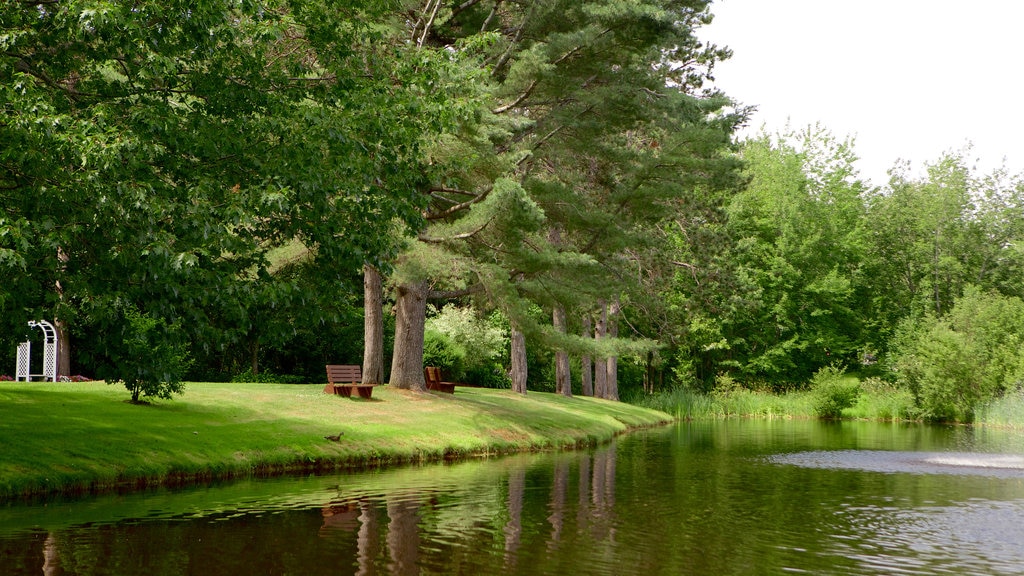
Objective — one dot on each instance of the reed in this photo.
(1005, 412)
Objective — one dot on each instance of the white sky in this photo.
(908, 79)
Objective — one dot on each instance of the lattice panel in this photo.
(22, 371)
(50, 361)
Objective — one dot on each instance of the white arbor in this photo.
(24, 363)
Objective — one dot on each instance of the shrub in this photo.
(964, 359)
(489, 376)
(441, 350)
(466, 346)
(832, 391)
(882, 400)
(266, 377)
(151, 357)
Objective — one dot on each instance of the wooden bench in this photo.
(342, 379)
(433, 376)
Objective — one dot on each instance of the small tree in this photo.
(151, 358)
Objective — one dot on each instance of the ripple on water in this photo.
(960, 463)
(967, 534)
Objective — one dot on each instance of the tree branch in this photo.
(449, 294)
(458, 207)
(463, 236)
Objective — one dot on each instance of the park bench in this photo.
(343, 379)
(433, 377)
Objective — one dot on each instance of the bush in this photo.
(268, 378)
(151, 357)
(958, 362)
(832, 391)
(441, 350)
(489, 376)
(466, 346)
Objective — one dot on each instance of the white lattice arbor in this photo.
(24, 364)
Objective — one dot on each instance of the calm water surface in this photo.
(737, 497)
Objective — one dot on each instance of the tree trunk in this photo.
(649, 373)
(586, 364)
(61, 327)
(410, 321)
(63, 348)
(518, 358)
(601, 364)
(563, 379)
(254, 355)
(373, 327)
(612, 382)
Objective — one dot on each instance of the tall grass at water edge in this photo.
(877, 400)
(1004, 412)
(689, 405)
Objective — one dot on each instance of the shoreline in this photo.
(72, 439)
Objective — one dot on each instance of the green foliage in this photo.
(265, 377)
(483, 339)
(1005, 411)
(883, 400)
(442, 350)
(792, 303)
(489, 376)
(833, 391)
(159, 153)
(969, 356)
(466, 346)
(150, 358)
(680, 401)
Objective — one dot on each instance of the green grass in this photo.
(70, 437)
(877, 400)
(738, 402)
(1004, 412)
(881, 400)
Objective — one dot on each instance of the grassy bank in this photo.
(70, 437)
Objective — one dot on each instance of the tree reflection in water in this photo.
(711, 498)
(403, 531)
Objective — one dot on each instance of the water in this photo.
(737, 497)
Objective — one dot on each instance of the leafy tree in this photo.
(794, 300)
(156, 152)
(966, 357)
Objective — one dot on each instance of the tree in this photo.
(571, 83)
(156, 152)
(796, 298)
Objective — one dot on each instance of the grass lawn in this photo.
(70, 437)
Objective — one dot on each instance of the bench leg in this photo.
(365, 391)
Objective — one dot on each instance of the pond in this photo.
(732, 497)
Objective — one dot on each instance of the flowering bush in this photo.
(5, 378)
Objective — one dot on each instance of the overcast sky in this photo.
(909, 79)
